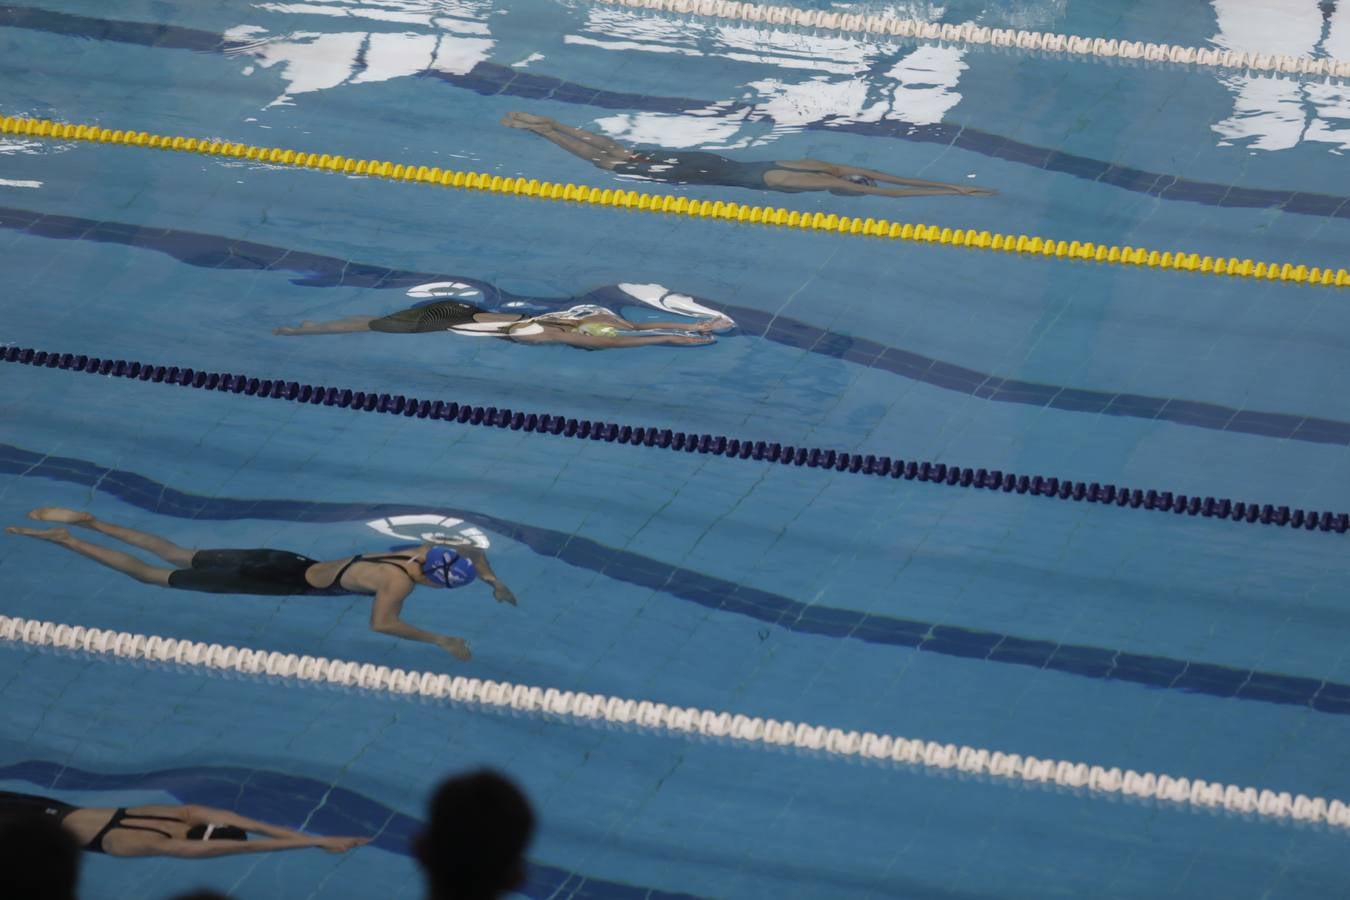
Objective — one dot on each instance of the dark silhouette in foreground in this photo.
(473, 848)
(39, 860)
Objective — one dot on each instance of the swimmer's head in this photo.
(857, 178)
(447, 568)
(216, 833)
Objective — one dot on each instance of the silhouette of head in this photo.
(473, 848)
(202, 894)
(38, 858)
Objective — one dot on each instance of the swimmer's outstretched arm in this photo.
(211, 815)
(384, 618)
(841, 171)
(716, 323)
(600, 342)
(190, 849)
(820, 181)
(500, 592)
(336, 326)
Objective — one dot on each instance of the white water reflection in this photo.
(812, 77)
(704, 129)
(1277, 112)
(449, 36)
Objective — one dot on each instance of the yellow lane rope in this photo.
(703, 209)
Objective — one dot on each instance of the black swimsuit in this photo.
(21, 806)
(276, 573)
(18, 806)
(95, 844)
(336, 585)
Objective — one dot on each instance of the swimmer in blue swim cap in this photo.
(701, 167)
(387, 577)
(447, 567)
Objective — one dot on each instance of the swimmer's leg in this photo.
(784, 180)
(113, 559)
(594, 148)
(163, 548)
(337, 326)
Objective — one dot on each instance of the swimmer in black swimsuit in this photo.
(193, 832)
(701, 167)
(389, 577)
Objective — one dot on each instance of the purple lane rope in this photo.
(718, 445)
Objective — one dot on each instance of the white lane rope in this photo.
(1096, 781)
(974, 35)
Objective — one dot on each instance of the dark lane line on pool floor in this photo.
(323, 808)
(490, 79)
(210, 251)
(719, 594)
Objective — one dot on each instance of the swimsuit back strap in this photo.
(118, 820)
(387, 560)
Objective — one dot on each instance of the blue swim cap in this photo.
(447, 568)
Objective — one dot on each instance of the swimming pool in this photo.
(1190, 645)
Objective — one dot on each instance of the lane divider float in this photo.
(1021, 244)
(1097, 781)
(666, 439)
(977, 35)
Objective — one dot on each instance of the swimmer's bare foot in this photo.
(287, 329)
(525, 120)
(976, 192)
(55, 535)
(61, 514)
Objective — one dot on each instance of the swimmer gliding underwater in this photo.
(183, 831)
(701, 167)
(389, 577)
(465, 308)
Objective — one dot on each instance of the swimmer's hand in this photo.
(691, 339)
(716, 323)
(502, 594)
(340, 844)
(976, 192)
(458, 647)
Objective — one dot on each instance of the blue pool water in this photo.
(1173, 644)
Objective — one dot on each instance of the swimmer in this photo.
(188, 832)
(390, 577)
(701, 167)
(586, 326)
